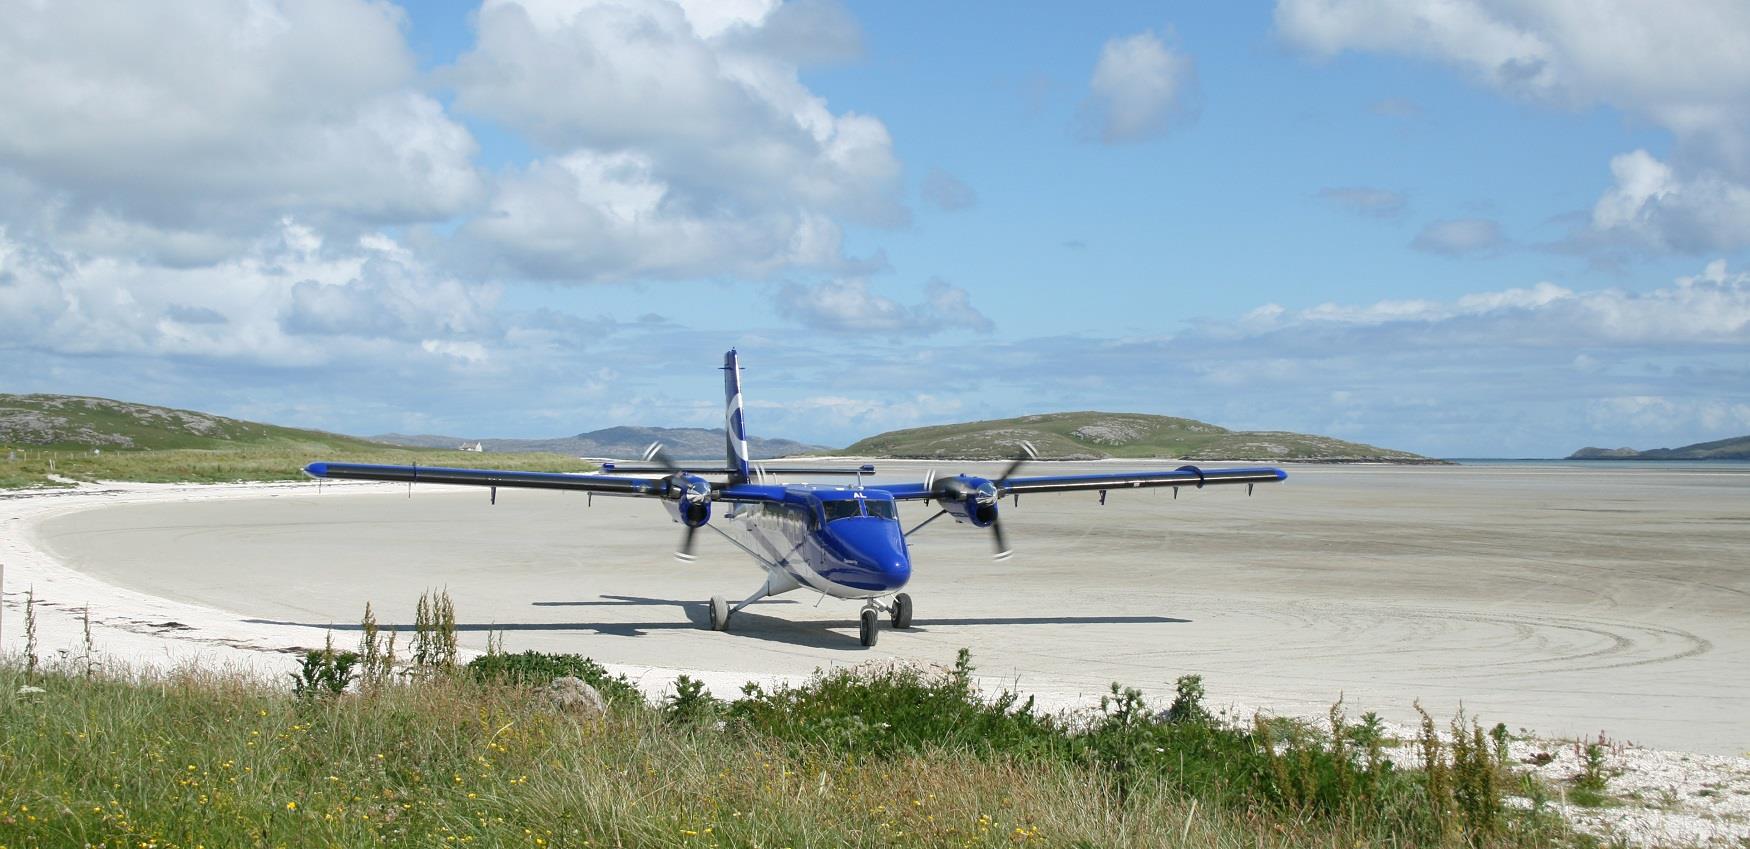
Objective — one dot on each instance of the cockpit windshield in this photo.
(836, 510)
(879, 508)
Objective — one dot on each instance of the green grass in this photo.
(206, 759)
(78, 423)
(45, 437)
(1094, 435)
(256, 463)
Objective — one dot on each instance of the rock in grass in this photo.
(28, 690)
(571, 694)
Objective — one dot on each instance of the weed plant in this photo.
(888, 756)
(535, 669)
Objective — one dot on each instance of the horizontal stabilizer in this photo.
(865, 469)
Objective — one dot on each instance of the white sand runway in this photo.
(1564, 599)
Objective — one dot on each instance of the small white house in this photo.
(478, 447)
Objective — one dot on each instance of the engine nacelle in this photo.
(691, 503)
(971, 501)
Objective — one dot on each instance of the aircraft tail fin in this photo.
(734, 427)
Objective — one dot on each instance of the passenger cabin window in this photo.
(836, 510)
(878, 508)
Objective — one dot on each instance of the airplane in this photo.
(843, 541)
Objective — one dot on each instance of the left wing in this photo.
(1182, 476)
(605, 484)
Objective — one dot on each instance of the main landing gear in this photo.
(868, 622)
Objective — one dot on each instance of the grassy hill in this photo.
(70, 422)
(1736, 448)
(681, 443)
(1094, 436)
(48, 440)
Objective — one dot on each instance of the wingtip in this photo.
(316, 470)
(1281, 475)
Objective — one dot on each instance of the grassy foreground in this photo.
(254, 463)
(884, 756)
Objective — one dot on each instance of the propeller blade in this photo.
(1028, 452)
(655, 454)
(685, 552)
(1002, 545)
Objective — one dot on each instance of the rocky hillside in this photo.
(1095, 436)
(63, 422)
(682, 443)
(1737, 448)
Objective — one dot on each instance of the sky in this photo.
(1464, 228)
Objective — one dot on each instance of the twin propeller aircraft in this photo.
(842, 541)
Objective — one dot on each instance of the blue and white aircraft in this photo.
(842, 541)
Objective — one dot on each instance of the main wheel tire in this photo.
(871, 627)
(719, 613)
(902, 611)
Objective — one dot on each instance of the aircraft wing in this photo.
(1182, 476)
(604, 484)
(620, 485)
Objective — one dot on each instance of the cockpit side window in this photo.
(845, 509)
(879, 508)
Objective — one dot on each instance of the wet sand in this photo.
(1562, 599)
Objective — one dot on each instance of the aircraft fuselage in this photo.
(842, 541)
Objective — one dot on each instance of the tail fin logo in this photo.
(734, 427)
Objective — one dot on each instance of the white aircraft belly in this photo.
(793, 548)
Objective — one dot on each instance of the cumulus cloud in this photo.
(1460, 237)
(586, 216)
(1365, 200)
(1141, 88)
(946, 192)
(672, 119)
(176, 131)
(848, 306)
(1654, 207)
(288, 301)
(1683, 70)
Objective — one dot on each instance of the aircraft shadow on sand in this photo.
(815, 634)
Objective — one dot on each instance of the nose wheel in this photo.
(901, 611)
(870, 628)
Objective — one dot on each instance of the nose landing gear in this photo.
(869, 631)
(901, 611)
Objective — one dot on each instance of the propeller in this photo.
(686, 490)
(983, 495)
(997, 538)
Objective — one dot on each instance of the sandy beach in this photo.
(1562, 600)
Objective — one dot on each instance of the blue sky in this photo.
(1461, 228)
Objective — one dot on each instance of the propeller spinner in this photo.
(693, 498)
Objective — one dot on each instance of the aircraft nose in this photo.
(878, 547)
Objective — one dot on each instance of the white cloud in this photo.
(1140, 90)
(1459, 237)
(1654, 207)
(1660, 415)
(691, 110)
(1711, 308)
(589, 216)
(289, 301)
(175, 130)
(848, 306)
(1682, 67)
(947, 192)
(1366, 200)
